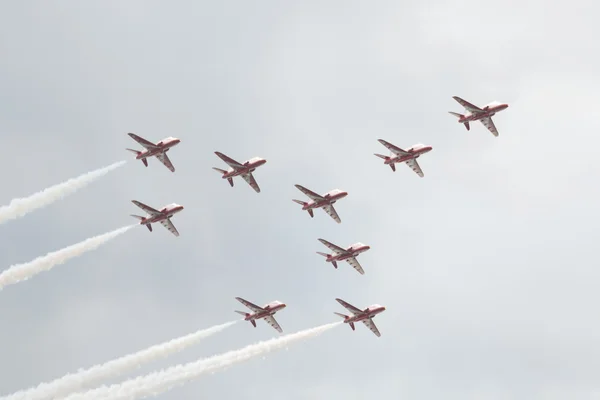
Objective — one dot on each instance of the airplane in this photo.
(159, 150)
(474, 113)
(348, 255)
(366, 315)
(244, 170)
(408, 156)
(266, 312)
(163, 216)
(325, 202)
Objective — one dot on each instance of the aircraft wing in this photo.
(230, 161)
(333, 247)
(356, 265)
(313, 196)
(170, 227)
(271, 321)
(371, 325)
(251, 181)
(394, 149)
(146, 208)
(468, 106)
(251, 306)
(349, 307)
(488, 123)
(332, 213)
(164, 158)
(412, 163)
(147, 144)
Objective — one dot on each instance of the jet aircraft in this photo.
(408, 156)
(159, 150)
(366, 315)
(163, 216)
(266, 312)
(238, 169)
(474, 113)
(325, 201)
(341, 254)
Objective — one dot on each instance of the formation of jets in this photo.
(325, 201)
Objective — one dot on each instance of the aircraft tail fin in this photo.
(137, 153)
(460, 116)
(345, 318)
(142, 219)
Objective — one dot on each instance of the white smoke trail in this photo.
(159, 382)
(76, 381)
(22, 272)
(19, 207)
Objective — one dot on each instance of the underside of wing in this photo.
(349, 307)
(371, 325)
(488, 123)
(164, 158)
(356, 265)
(394, 149)
(414, 165)
(336, 249)
(146, 208)
(230, 161)
(468, 106)
(251, 181)
(312, 195)
(251, 306)
(271, 321)
(147, 144)
(332, 213)
(170, 227)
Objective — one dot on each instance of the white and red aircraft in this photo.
(366, 315)
(244, 170)
(163, 216)
(474, 113)
(348, 255)
(325, 202)
(408, 156)
(265, 312)
(159, 150)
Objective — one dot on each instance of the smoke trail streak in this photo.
(79, 380)
(22, 206)
(22, 272)
(159, 382)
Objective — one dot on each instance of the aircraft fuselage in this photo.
(267, 312)
(414, 154)
(352, 253)
(166, 213)
(488, 112)
(249, 167)
(367, 314)
(162, 146)
(328, 200)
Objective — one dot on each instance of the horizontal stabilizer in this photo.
(138, 217)
(299, 202)
(381, 156)
(244, 313)
(456, 114)
(220, 170)
(323, 254)
(134, 151)
(340, 314)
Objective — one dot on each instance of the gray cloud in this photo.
(486, 266)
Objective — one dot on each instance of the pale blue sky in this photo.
(487, 266)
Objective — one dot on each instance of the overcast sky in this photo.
(487, 265)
